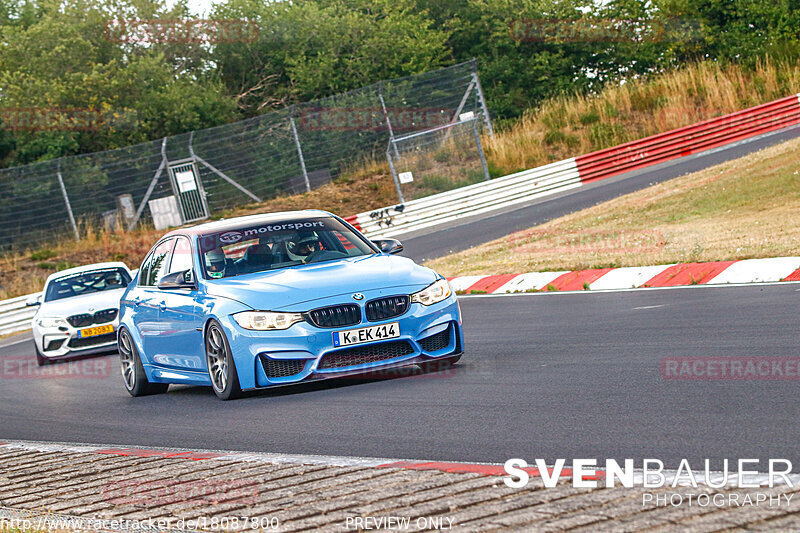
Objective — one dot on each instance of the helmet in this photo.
(303, 245)
(215, 263)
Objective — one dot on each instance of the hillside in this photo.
(562, 127)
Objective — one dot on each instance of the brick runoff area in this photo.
(44, 486)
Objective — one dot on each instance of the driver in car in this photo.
(215, 263)
(303, 246)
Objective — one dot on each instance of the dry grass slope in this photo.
(742, 209)
(573, 125)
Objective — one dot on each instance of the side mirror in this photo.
(33, 301)
(389, 246)
(177, 280)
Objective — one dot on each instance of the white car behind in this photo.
(79, 311)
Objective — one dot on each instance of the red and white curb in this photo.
(484, 469)
(768, 270)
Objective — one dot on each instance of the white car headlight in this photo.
(51, 322)
(434, 293)
(266, 320)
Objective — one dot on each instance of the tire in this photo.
(445, 363)
(220, 363)
(40, 359)
(133, 375)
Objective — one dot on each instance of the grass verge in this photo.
(742, 209)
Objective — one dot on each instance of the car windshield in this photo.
(270, 246)
(105, 279)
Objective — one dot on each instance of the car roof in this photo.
(238, 222)
(86, 268)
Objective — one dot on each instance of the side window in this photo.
(181, 256)
(144, 270)
(156, 266)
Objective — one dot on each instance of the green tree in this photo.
(310, 49)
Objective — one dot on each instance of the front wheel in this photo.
(41, 360)
(132, 369)
(221, 368)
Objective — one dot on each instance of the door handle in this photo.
(163, 306)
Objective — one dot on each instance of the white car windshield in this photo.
(86, 283)
(271, 246)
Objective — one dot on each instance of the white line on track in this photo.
(602, 291)
(20, 341)
(649, 307)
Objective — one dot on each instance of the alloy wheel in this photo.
(217, 357)
(127, 360)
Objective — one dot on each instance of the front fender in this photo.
(221, 312)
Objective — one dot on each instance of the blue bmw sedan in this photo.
(277, 299)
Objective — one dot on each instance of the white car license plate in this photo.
(361, 335)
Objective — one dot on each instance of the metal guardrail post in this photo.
(481, 98)
(480, 150)
(66, 201)
(299, 149)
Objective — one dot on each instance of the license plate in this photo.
(97, 330)
(361, 335)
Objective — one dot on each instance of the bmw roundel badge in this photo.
(358, 296)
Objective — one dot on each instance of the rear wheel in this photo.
(132, 369)
(221, 368)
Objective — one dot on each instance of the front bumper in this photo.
(63, 342)
(305, 353)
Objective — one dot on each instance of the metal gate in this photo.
(188, 189)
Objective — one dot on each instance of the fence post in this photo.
(388, 122)
(480, 149)
(152, 186)
(66, 201)
(299, 149)
(217, 171)
(480, 97)
(394, 175)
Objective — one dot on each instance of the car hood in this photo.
(97, 301)
(278, 289)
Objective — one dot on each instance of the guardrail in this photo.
(15, 315)
(572, 173)
(470, 200)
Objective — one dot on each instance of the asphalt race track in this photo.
(436, 242)
(545, 376)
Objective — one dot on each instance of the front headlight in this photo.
(434, 293)
(266, 320)
(52, 322)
